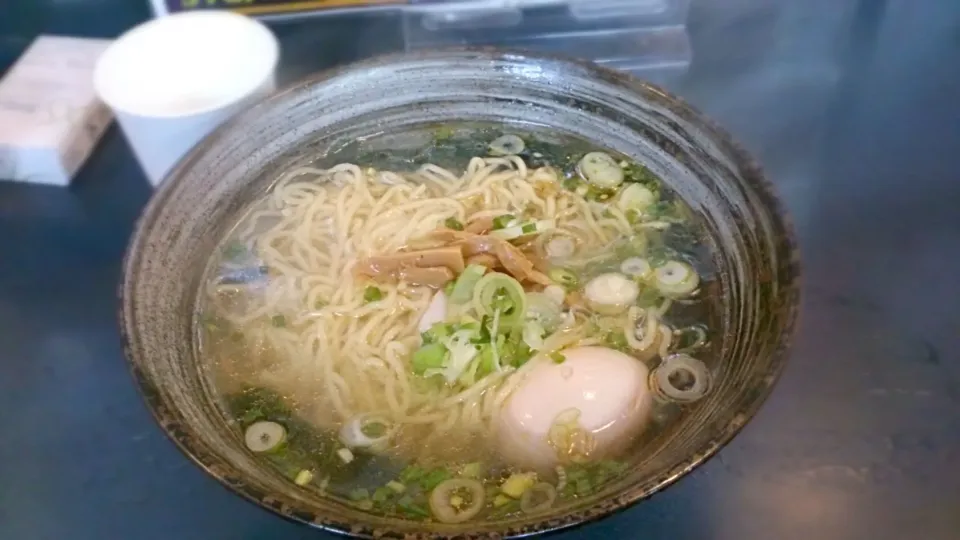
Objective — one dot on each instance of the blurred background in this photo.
(851, 105)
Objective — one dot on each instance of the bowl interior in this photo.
(393, 99)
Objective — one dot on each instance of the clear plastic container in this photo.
(645, 37)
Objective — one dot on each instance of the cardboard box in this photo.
(50, 117)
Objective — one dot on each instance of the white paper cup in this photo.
(174, 79)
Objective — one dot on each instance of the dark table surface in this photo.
(857, 119)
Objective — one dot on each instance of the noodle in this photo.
(318, 223)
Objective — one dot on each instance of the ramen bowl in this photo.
(392, 98)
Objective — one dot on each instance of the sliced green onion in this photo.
(680, 378)
(561, 477)
(278, 321)
(381, 494)
(372, 294)
(533, 333)
(434, 478)
(461, 351)
(617, 340)
(518, 483)
(411, 474)
(396, 487)
(598, 195)
(457, 500)
(462, 291)
(500, 293)
(504, 221)
(611, 293)
(345, 455)
(650, 296)
(555, 293)
(565, 278)
(407, 506)
(303, 478)
(583, 487)
(637, 268)
(538, 498)
(453, 223)
(437, 333)
(506, 145)
(469, 375)
(367, 431)
(558, 358)
(600, 170)
(443, 133)
(684, 343)
(374, 428)
(522, 229)
(265, 436)
(486, 363)
(515, 352)
(675, 278)
(429, 356)
(560, 247)
(635, 246)
(472, 470)
(544, 309)
(571, 184)
(636, 198)
(359, 494)
(636, 172)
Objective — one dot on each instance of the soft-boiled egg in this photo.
(602, 390)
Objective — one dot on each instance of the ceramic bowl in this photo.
(752, 243)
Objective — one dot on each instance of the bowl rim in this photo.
(764, 189)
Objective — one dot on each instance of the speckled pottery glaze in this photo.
(753, 245)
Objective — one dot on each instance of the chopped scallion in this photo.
(517, 483)
(433, 478)
(558, 358)
(372, 294)
(453, 223)
(472, 470)
(500, 293)
(429, 356)
(408, 506)
(381, 494)
(303, 478)
(504, 221)
(462, 290)
(411, 474)
(564, 278)
(436, 333)
(345, 455)
(278, 321)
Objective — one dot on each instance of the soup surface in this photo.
(477, 325)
